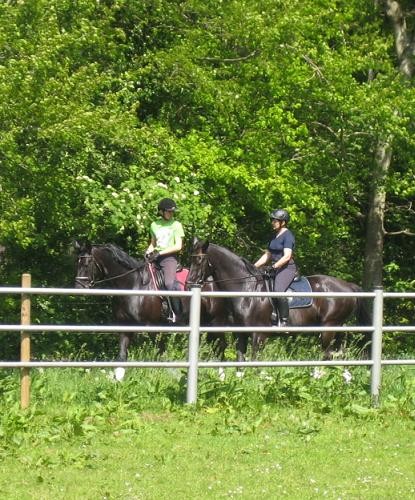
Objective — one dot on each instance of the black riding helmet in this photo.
(167, 204)
(280, 214)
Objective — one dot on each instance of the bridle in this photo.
(203, 257)
(87, 282)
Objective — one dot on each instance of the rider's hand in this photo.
(152, 256)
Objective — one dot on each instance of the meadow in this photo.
(274, 433)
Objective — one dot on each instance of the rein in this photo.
(133, 270)
(242, 278)
(92, 282)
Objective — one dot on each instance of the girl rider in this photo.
(166, 242)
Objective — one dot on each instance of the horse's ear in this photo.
(82, 247)
(205, 246)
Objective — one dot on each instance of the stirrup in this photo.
(274, 319)
(172, 318)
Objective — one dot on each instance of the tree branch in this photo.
(229, 60)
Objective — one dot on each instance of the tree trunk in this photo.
(373, 268)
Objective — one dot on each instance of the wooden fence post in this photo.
(25, 343)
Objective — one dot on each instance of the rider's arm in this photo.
(263, 260)
(284, 259)
(178, 243)
(151, 246)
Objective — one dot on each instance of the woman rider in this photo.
(280, 253)
(166, 242)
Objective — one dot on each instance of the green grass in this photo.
(275, 433)
(165, 455)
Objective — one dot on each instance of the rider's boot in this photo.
(176, 305)
(283, 311)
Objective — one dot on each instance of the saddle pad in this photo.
(300, 285)
(181, 277)
(180, 280)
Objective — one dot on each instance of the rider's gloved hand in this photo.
(152, 256)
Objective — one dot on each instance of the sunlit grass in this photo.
(275, 432)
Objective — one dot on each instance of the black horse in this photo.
(109, 264)
(233, 273)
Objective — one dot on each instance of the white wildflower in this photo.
(318, 373)
(177, 179)
(347, 376)
(196, 192)
(114, 194)
(160, 184)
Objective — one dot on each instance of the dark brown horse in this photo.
(233, 273)
(110, 265)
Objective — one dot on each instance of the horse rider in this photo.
(166, 242)
(280, 254)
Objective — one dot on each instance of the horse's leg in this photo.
(331, 342)
(241, 347)
(219, 347)
(125, 340)
(258, 342)
(161, 341)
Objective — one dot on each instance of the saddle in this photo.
(179, 282)
(299, 284)
(159, 284)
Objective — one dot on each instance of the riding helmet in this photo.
(280, 214)
(167, 204)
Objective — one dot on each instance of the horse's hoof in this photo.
(119, 373)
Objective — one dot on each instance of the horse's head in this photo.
(200, 268)
(86, 265)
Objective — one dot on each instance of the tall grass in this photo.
(72, 402)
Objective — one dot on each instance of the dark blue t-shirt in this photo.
(281, 241)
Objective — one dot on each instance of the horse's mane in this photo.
(122, 257)
(251, 269)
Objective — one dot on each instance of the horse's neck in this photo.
(230, 272)
(119, 275)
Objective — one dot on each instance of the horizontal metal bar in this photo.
(403, 295)
(279, 329)
(172, 293)
(186, 329)
(398, 362)
(91, 291)
(180, 329)
(94, 364)
(178, 364)
(288, 294)
(95, 328)
(201, 364)
(286, 363)
(175, 293)
(400, 328)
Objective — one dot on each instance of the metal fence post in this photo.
(377, 345)
(25, 343)
(193, 357)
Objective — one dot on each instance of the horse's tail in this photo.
(364, 317)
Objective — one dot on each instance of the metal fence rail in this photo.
(192, 364)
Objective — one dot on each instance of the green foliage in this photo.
(233, 108)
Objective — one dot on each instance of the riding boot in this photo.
(176, 305)
(283, 310)
(274, 314)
